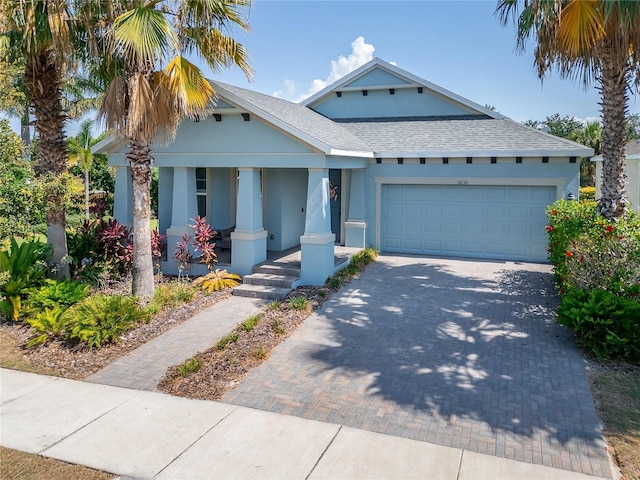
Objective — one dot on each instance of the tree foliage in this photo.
(18, 209)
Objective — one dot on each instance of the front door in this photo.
(335, 200)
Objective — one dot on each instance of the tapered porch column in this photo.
(184, 208)
(249, 240)
(355, 228)
(123, 200)
(317, 242)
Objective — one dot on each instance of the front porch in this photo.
(280, 273)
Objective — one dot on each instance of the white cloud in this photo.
(288, 89)
(587, 120)
(361, 53)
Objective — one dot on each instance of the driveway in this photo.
(459, 353)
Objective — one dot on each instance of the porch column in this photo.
(165, 198)
(317, 243)
(249, 240)
(355, 228)
(123, 200)
(184, 208)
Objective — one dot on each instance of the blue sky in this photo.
(457, 44)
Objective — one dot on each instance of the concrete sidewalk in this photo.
(145, 434)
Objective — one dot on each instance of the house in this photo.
(632, 182)
(380, 158)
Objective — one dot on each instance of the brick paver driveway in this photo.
(455, 352)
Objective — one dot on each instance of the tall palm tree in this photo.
(592, 40)
(155, 87)
(39, 35)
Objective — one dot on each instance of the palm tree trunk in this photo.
(43, 76)
(141, 162)
(86, 194)
(613, 92)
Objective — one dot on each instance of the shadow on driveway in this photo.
(460, 353)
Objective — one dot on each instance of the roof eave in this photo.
(108, 144)
(482, 153)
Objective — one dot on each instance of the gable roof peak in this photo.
(409, 77)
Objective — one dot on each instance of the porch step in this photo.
(273, 269)
(269, 279)
(261, 291)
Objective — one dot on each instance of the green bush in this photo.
(50, 323)
(56, 293)
(605, 323)
(104, 318)
(24, 266)
(588, 251)
(170, 295)
(251, 322)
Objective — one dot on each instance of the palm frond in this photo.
(187, 83)
(581, 26)
(143, 35)
(221, 51)
(113, 110)
(141, 121)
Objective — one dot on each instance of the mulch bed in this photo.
(65, 359)
(223, 369)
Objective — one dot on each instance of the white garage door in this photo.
(498, 222)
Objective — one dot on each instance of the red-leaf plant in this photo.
(203, 241)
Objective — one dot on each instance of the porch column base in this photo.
(248, 248)
(317, 258)
(355, 234)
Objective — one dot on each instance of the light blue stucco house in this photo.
(416, 169)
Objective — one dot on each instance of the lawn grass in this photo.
(617, 396)
(16, 465)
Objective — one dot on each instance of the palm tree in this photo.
(592, 40)
(155, 87)
(81, 155)
(38, 34)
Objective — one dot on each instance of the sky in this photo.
(299, 46)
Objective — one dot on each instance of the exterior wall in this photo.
(377, 77)
(405, 102)
(560, 173)
(286, 196)
(221, 197)
(632, 182)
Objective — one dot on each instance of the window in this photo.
(201, 191)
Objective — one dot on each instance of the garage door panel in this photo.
(475, 221)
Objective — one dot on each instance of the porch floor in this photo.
(290, 258)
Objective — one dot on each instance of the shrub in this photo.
(56, 293)
(251, 322)
(24, 265)
(103, 319)
(170, 295)
(277, 327)
(587, 193)
(274, 305)
(299, 303)
(588, 251)
(203, 241)
(218, 280)
(222, 344)
(605, 323)
(189, 366)
(50, 323)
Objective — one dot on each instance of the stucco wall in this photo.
(632, 182)
(286, 196)
(380, 103)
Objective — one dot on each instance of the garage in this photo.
(495, 222)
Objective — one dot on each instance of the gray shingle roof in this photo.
(424, 137)
(299, 118)
(495, 136)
